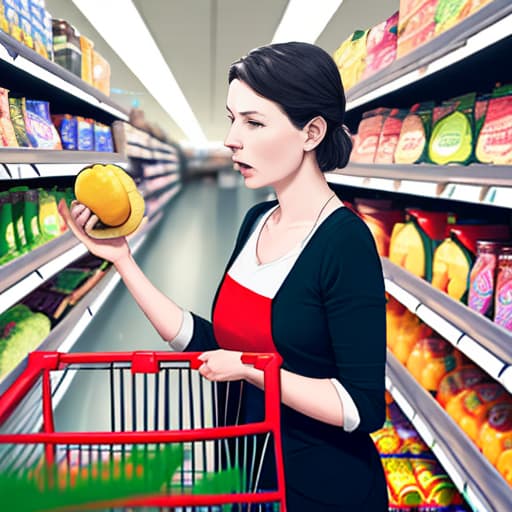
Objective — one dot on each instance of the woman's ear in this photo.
(315, 131)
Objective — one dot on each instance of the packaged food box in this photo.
(4, 24)
(13, 20)
(17, 109)
(85, 134)
(388, 138)
(367, 138)
(7, 133)
(350, 58)
(67, 126)
(101, 73)
(86, 45)
(451, 12)
(40, 130)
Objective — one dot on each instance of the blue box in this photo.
(36, 12)
(27, 31)
(24, 8)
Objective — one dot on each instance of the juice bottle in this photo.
(503, 301)
(482, 279)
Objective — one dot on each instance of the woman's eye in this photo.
(254, 123)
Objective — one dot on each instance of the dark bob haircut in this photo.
(304, 81)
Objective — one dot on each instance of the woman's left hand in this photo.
(222, 365)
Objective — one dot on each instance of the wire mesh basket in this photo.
(159, 436)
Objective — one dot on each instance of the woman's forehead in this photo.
(242, 98)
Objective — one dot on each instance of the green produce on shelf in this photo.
(21, 331)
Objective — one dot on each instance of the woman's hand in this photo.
(79, 218)
(222, 365)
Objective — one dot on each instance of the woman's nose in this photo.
(232, 141)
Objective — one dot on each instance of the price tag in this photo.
(401, 295)
(419, 188)
(382, 184)
(500, 196)
(54, 170)
(439, 324)
(448, 191)
(342, 179)
(468, 193)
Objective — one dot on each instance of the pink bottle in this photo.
(503, 302)
(482, 279)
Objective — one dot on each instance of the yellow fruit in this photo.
(111, 194)
(504, 465)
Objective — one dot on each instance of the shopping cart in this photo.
(150, 401)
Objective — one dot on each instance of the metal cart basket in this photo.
(149, 402)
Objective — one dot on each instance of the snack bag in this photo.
(494, 144)
(414, 135)
(388, 138)
(368, 135)
(7, 134)
(17, 109)
(350, 58)
(40, 130)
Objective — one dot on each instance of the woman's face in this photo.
(267, 148)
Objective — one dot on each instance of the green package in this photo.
(18, 212)
(452, 138)
(17, 109)
(48, 215)
(31, 218)
(8, 249)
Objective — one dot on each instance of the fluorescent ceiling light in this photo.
(305, 20)
(122, 27)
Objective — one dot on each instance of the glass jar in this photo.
(503, 301)
(482, 279)
(66, 47)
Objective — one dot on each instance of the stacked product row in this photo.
(480, 406)
(28, 123)
(29, 218)
(415, 479)
(461, 130)
(418, 21)
(30, 23)
(470, 260)
(24, 326)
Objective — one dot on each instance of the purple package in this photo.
(40, 130)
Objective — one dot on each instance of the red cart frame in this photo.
(145, 363)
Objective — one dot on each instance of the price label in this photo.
(342, 179)
(480, 355)
(468, 193)
(419, 188)
(500, 196)
(448, 191)
(382, 184)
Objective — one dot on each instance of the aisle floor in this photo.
(184, 257)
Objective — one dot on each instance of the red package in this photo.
(367, 138)
(389, 135)
(381, 45)
(7, 134)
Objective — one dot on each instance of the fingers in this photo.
(93, 219)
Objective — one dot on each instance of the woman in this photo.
(304, 280)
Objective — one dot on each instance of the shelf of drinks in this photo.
(66, 333)
(489, 25)
(48, 73)
(478, 481)
(479, 184)
(39, 163)
(484, 342)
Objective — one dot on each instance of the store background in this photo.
(185, 252)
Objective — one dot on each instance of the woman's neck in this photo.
(301, 198)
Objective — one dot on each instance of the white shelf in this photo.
(479, 482)
(478, 184)
(484, 342)
(486, 27)
(47, 72)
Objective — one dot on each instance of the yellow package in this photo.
(101, 73)
(350, 58)
(86, 45)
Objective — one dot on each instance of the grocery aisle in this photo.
(185, 258)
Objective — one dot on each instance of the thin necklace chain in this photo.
(318, 218)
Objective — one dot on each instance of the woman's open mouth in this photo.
(243, 168)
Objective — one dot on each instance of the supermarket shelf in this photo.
(164, 200)
(37, 163)
(482, 486)
(480, 184)
(484, 342)
(67, 332)
(26, 273)
(491, 24)
(35, 66)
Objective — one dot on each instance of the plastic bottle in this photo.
(503, 301)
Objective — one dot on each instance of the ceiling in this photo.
(200, 38)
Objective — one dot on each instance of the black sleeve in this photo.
(354, 298)
(203, 337)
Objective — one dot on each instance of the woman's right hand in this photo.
(80, 218)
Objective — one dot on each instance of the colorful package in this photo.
(13, 20)
(67, 127)
(86, 45)
(416, 24)
(40, 129)
(367, 138)
(388, 138)
(85, 131)
(414, 135)
(452, 136)
(381, 46)
(413, 243)
(8, 250)
(494, 145)
(17, 108)
(18, 210)
(482, 279)
(503, 302)
(454, 257)
(101, 73)
(350, 58)
(4, 24)
(103, 138)
(7, 134)
(451, 12)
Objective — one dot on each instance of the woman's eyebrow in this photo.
(247, 112)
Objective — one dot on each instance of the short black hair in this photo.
(304, 81)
